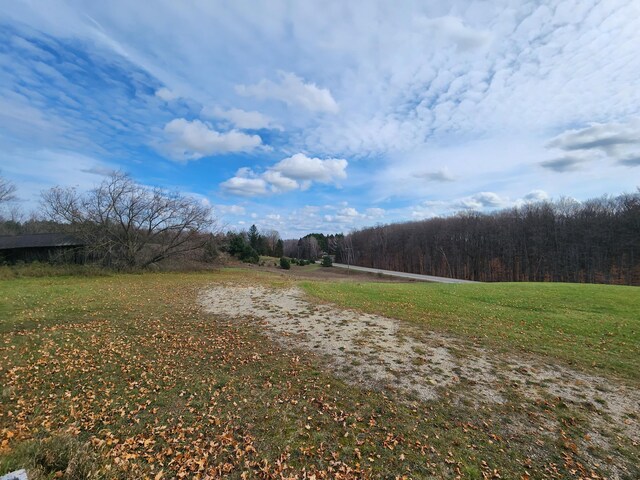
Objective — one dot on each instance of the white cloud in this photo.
(166, 94)
(301, 167)
(245, 184)
(293, 91)
(241, 118)
(230, 209)
(420, 212)
(453, 29)
(297, 172)
(480, 201)
(434, 203)
(278, 182)
(405, 89)
(375, 212)
(536, 196)
(346, 217)
(348, 212)
(408, 99)
(194, 139)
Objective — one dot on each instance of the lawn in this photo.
(595, 327)
(124, 376)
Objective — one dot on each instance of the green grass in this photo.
(125, 373)
(590, 326)
(312, 267)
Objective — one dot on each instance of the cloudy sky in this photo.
(324, 116)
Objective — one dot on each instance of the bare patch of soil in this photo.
(386, 353)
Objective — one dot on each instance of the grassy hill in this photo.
(596, 327)
(124, 376)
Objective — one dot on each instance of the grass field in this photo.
(596, 327)
(124, 376)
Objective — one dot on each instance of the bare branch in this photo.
(130, 225)
(7, 190)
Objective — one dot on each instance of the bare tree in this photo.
(291, 248)
(308, 248)
(7, 190)
(126, 224)
(271, 239)
(10, 213)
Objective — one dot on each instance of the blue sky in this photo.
(324, 116)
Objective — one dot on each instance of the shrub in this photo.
(326, 261)
(237, 245)
(249, 255)
(285, 263)
(210, 251)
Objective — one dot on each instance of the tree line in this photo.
(596, 241)
(313, 246)
(249, 245)
(127, 225)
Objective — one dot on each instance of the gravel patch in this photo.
(386, 353)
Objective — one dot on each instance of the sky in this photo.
(324, 116)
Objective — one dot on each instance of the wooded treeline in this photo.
(596, 241)
(312, 246)
(249, 245)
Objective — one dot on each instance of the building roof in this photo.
(39, 240)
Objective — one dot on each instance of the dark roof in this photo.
(39, 240)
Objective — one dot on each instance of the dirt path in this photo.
(386, 353)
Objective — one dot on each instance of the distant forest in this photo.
(596, 241)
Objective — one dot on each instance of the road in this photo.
(413, 276)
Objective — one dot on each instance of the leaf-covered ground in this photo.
(126, 377)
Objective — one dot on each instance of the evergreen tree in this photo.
(254, 237)
(279, 250)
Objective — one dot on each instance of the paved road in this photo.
(413, 276)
